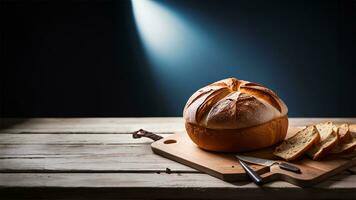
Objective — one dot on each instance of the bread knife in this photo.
(252, 174)
(266, 162)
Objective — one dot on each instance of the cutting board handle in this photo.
(143, 133)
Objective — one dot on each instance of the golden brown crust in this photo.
(236, 107)
(233, 104)
(264, 94)
(239, 140)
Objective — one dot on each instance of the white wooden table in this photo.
(89, 158)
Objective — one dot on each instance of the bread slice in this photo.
(345, 147)
(297, 145)
(352, 130)
(328, 140)
(344, 134)
(347, 141)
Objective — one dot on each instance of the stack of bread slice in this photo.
(318, 141)
(329, 139)
(347, 140)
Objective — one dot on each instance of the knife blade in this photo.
(266, 162)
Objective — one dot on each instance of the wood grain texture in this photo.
(226, 167)
(84, 158)
(159, 180)
(96, 158)
(71, 139)
(91, 125)
(119, 125)
(162, 186)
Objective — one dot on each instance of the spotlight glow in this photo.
(183, 48)
(161, 30)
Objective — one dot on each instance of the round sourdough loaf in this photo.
(233, 115)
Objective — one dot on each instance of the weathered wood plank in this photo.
(175, 180)
(43, 150)
(91, 125)
(64, 138)
(84, 158)
(163, 186)
(110, 180)
(89, 164)
(119, 125)
(39, 150)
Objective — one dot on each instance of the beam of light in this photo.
(178, 51)
(184, 52)
(157, 27)
(174, 45)
(163, 33)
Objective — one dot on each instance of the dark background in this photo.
(86, 58)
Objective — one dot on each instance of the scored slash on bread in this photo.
(329, 139)
(233, 115)
(233, 104)
(297, 145)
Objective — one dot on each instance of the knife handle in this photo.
(252, 174)
(289, 167)
(143, 133)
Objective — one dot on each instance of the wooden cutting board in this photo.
(180, 148)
